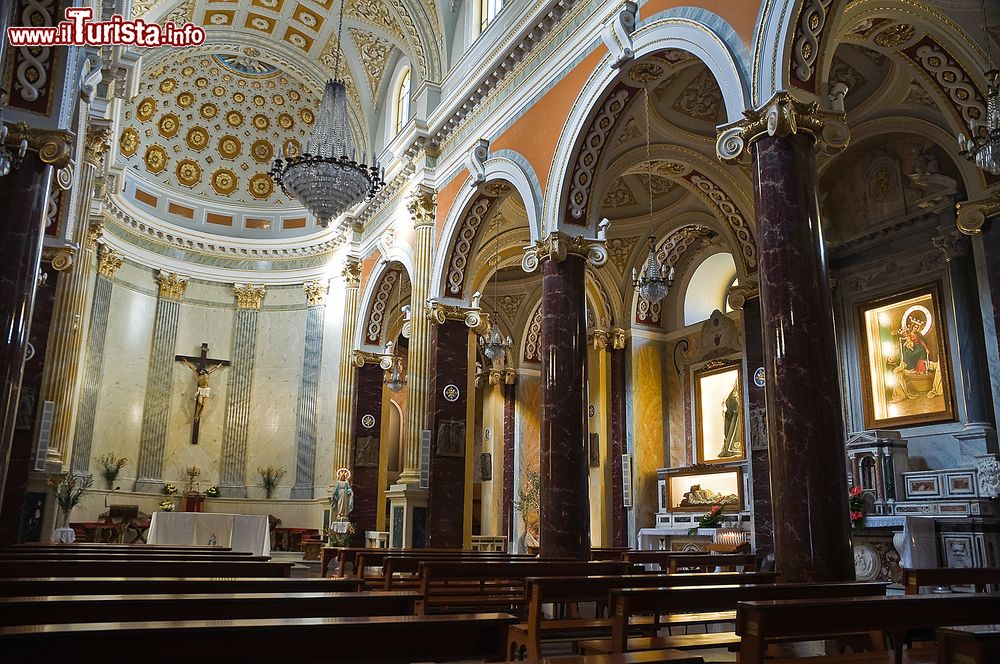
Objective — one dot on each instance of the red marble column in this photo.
(804, 412)
(449, 419)
(564, 530)
(508, 460)
(24, 193)
(367, 424)
(760, 465)
(619, 516)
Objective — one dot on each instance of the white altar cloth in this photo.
(240, 532)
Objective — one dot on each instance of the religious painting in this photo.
(719, 433)
(450, 438)
(367, 451)
(904, 360)
(697, 489)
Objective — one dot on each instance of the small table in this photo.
(969, 644)
(240, 532)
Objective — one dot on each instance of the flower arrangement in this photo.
(112, 465)
(166, 505)
(710, 519)
(213, 492)
(858, 508)
(169, 489)
(68, 492)
(269, 477)
(341, 535)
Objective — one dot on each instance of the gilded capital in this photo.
(61, 258)
(95, 231)
(599, 339)
(97, 142)
(972, 215)
(618, 338)
(108, 261)
(171, 285)
(54, 146)
(473, 317)
(248, 296)
(422, 205)
(784, 115)
(360, 358)
(316, 292)
(557, 246)
(505, 376)
(352, 273)
(738, 295)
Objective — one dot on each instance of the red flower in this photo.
(855, 516)
(855, 491)
(715, 509)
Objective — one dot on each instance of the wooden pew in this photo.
(496, 584)
(978, 577)
(641, 657)
(525, 639)
(59, 556)
(763, 622)
(76, 546)
(132, 608)
(399, 572)
(383, 639)
(143, 568)
(658, 557)
(629, 602)
(709, 562)
(51, 586)
(608, 552)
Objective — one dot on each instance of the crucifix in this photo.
(203, 367)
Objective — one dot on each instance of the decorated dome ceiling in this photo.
(209, 125)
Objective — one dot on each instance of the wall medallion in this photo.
(188, 172)
(758, 377)
(368, 421)
(224, 181)
(451, 392)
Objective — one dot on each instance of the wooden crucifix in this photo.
(203, 367)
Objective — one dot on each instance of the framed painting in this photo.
(718, 396)
(697, 489)
(905, 377)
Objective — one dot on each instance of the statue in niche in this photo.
(732, 443)
(342, 499)
(450, 438)
(367, 451)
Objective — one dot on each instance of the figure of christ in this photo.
(202, 367)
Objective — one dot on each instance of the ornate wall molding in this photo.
(465, 240)
(727, 210)
(533, 336)
(814, 17)
(557, 246)
(171, 286)
(375, 316)
(316, 292)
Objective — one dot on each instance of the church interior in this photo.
(485, 330)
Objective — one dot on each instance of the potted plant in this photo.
(269, 477)
(112, 465)
(858, 507)
(213, 492)
(166, 505)
(68, 491)
(710, 519)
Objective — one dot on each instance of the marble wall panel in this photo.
(650, 447)
(326, 415)
(491, 433)
(597, 421)
(528, 410)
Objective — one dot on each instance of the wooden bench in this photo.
(383, 639)
(400, 572)
(981, 578)
(763, 622)
(970, 644)
(629, 602)
(144, 568)
(202, 606)
(174, 548)
(525, 639)
(495, 584)
(51, 586)
(709, 562)
(642, 657)
(60, 556)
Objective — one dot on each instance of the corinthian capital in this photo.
(352, 273)
(171, 285)
(784, 115)
(557, 246)
(97, 142)
(422, 205)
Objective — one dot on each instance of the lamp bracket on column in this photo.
(557, 246)
(785, 115)
(972, 215)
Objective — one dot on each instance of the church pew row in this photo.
(353, 561)
(131, 608)
(235, 556)
(981, 578)
(86, 546)
(144, 568)
(749, 562)
(402, 572)
(763, 622)
(494, 583)
(373, 640)
(642, 657)
(525, 638)
(626, 603)
(52, 586)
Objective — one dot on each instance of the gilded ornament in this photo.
(261, 186)
(188, 172)
(167, 85)
(146, 109)
(94, 233)
(197, 138)
(185, 99)
(315, 292)
(61, 258)
(294, 95)
(155, 159)
(171, 285)
(96, 143)
(617, 338)
(219, 91)
(248, 296)
(278, 100)
(307, 116)
(201, 82)
(557, 246)
(599, 339)
(108, 261)
(645, 72)
(209, 110)
(285, 121)
(168, 125)
(128, 142)
(188, 71)
(352, 273)
(239, 97)
(261, 121)
(262, 151)
(224, 181)
(895, 36)
(259, 101)
(422, 204)
(234, 118)
(230, 147)
(291, 147)
(972, 215)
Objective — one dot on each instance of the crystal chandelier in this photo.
(495, 346)
(984, 150)
(325, 177)
(655, 281)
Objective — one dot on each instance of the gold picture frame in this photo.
(903, 352)
(696, 489)
(720, 431)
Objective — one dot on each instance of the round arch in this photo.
(372, 285)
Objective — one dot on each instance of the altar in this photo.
(240, 532)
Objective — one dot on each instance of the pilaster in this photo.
(305, 421)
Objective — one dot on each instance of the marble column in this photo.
(233, 458)
(366, 434)
(422, 205)
(156, 406)
(305, 421)
(67, 336)
(971, 346)
(108, 263)
(987, 249)
(509, 391)
(619, 514)
(347, 370)
(449, 408)
(802, 392)
(24, 192)
(747, 299)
